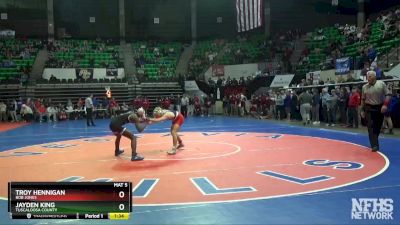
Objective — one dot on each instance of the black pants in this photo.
(332, 115)
(353, 116)
(343, 114)
(28, 117)
(89, 116)
(184, 110)
(374, 119)
(325, 114)
(280, 111)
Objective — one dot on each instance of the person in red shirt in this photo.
(136, 102)
(146, 104)
(113, 107)
(166, 103)
(354, 103)
(197, 106)
(42, 111)
(37, 103)
(207, 104)
(141, 102)
(263, 101)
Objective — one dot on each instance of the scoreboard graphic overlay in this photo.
(83, 200)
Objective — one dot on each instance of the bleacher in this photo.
(83, 54)
(9, 92)
(380, 38)
(200, 61)
(250, 51)
(157, 61)
(17, 55)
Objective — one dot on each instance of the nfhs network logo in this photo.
(372, 209)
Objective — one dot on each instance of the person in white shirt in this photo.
(69, 110)
(51, 112)
(124, 107)
(26, 113)
(184, 105)
(3, 110)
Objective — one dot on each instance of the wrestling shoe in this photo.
(137, 158)
(172, 151)
(119, 152)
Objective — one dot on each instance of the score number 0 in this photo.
(121, 195)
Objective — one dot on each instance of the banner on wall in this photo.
(315, 76)
(70, 73)
(282, 80)
(84, 74)
(7, 33)
(218, 70)
(342, 66)
(112, 72)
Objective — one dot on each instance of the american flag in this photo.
(249, 14)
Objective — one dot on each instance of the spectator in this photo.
(295, 109)
(41, 109)
(52, 79)
(316, 98)
(69, 103)
(51, 113)
(146, 104)
(343, 101)
(184, 105)
(280, 109)
(207, 105)
(378, 71)
(305, 100)
(13, 110)
(287, 102)
(69, 110)
(26, 113)
(124, 107)
(387, 120)
(354, 103)
(178, 103)
(331, 103)
(272, 104)
(3, 112)
(324, 97)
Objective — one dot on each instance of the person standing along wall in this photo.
(3, 112)
(184, 105)
(354, 102)
(315, 106)
(332, 106)
(305, 100)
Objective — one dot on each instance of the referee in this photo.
(89, 111)
(374, 102)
